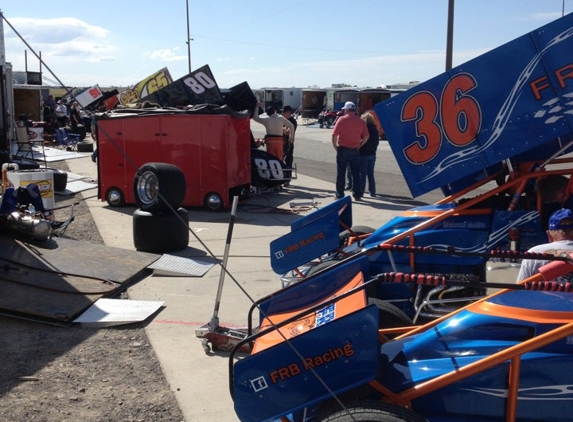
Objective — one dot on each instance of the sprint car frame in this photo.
(319, 356)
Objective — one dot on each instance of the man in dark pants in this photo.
(289, 145)
(349, 134)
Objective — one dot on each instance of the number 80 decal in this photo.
(199, 82)
(456, 117)
(270, 169)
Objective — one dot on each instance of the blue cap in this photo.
(557, 221)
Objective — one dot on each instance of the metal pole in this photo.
(188, 38)
(450, 36)
(215, 319)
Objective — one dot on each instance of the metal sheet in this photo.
(171, 265)
(110, 312)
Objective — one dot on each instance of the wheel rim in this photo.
(114, 197)
(213, 201)
(147, 187)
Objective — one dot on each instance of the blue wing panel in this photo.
(511, 100)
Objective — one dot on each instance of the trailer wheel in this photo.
(114, 197)
(161, 231)
(389, 315)
(213, 202)
(158, 186)
(373, 411)
(60, 179)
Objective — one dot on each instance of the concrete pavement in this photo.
(200, 381)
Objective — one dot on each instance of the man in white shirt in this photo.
(560, 236)
(61, 113)
(274, 126)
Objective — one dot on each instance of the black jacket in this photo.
(371, 145)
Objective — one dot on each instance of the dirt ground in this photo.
(55, 374)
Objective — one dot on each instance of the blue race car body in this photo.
(481, 136)
(506, 357)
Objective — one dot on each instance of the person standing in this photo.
(61, 113)
(274, 124)
(560, 235)
(75, 118)
(349, 134)
(288, 144)
(368, 156)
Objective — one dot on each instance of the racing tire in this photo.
(114, 197)
(389, 315)
(85, 146)
(159, 186)
(213, 202)
(373, 411)
(356, 230)
(60, 179)
(160, 232)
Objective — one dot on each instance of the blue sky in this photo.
(302, 43)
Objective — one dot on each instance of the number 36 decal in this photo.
(454, 118)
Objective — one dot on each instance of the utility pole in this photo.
(450, 36)
(189, 39)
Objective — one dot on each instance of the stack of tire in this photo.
(160, 224)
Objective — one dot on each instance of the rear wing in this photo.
(311, 236)
(311, 334)
(513, 102)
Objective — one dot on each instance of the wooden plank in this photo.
(57, 280)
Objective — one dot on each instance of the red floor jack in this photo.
(214, 337)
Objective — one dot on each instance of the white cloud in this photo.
(165, 55)
(62, 39)
(368, 71)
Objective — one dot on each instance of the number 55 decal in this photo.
(455, 117)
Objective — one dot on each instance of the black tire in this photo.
(354, 231)
(161, 231)
(115, 197)
(60, 179)
(213, 202)
(389, 315)
(85, 146)
(373, 411)
(158, 186)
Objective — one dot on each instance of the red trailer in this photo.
(211, 147)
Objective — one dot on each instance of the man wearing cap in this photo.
(61, 113)
(349, 134)
(560, 236)
(274, 127)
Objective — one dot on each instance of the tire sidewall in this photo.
(171, 183)
(161, 231)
